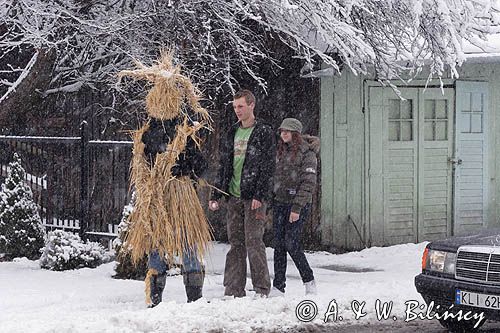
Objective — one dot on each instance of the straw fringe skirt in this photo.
(167, 215)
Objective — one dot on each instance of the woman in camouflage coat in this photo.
(294, 184)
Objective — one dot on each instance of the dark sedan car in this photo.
(461, 280)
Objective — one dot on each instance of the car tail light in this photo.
(425, 257)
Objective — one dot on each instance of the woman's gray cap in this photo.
(291, 124)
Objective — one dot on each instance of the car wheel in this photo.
(462, 326)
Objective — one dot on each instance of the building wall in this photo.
(345, 151)
(342, 146)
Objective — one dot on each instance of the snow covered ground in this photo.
(89, 300)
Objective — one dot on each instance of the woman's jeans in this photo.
(287, 240)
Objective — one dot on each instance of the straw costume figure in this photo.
(167, 219)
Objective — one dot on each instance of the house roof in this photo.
(490, 54)
(473, 55)
(493, 43)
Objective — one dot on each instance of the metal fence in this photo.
(78, 184)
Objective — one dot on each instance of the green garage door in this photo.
(471, 174)
(410, 169)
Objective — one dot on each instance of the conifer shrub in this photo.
(21, 231)
(125, 269)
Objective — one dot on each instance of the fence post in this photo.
(84, 223)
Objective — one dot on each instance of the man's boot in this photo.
(193, 293)
(155, 283)
(193, 282)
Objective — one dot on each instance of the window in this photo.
(472, 114)
(436, 120)
(400, 120)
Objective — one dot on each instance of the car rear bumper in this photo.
(442, 291)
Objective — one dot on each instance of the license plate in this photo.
(478, 300)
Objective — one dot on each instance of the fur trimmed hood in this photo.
(313, 142)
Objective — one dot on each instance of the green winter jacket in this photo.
(295, 180)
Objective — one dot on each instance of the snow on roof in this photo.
(473, 54)
(493, 44)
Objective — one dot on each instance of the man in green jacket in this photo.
(246, 170)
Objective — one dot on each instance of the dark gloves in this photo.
(179, 171)
(190, 162)
(183, 167)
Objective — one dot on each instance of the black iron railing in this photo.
(78, 184)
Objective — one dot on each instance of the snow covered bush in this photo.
(65, 250)
(21, 230)
(125, 269)
(122, 227)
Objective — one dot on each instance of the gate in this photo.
(80, 185)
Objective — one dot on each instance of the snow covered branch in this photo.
(379, 35)
(24, 74)
(217, 41)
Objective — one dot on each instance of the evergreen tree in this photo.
(21, 230)
(125, 269)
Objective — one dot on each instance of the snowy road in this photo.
(89, 300)
(417, 326)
